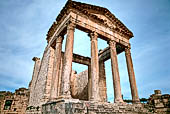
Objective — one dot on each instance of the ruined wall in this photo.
(158, 103)
(79, 85)
(47, 88)
(15, 103)
(41, 89)
(34, 78)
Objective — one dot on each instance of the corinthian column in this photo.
(115, 72)
(57, 62)
(67, 64)
(94, 96)
(132, 80)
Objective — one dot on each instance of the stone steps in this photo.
(87, 107)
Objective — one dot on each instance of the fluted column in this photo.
(94, 68)
(57, 62)
(115, 72)
(67, 65)
(132, 80)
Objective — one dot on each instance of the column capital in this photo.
(59, 39)
(93, 35)
(35, 58)
(71, 25)
(112, 43)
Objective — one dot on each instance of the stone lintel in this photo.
(80, 59)
(104, 54)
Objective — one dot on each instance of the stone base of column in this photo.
(119, 101)
(94, 100)
(136, 101)
(52, 99)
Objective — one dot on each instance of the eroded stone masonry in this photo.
(56, 88)
(14, 103)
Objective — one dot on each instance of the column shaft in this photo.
(89, 83)
(67, 65)
(102, 82)
(132, 80)
(94, 68)
(115, 72)
(57, 63)
(60, 78)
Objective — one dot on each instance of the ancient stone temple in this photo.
(56, 88)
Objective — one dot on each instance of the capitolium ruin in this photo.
(53, 77)
(56, 88)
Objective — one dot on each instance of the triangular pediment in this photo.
(97, 13)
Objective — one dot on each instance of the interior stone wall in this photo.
(79, 85)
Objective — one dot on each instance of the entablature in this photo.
(103, 21)
(87, 25)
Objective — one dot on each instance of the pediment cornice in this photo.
(90, 11)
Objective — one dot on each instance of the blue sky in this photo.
(24, 24)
